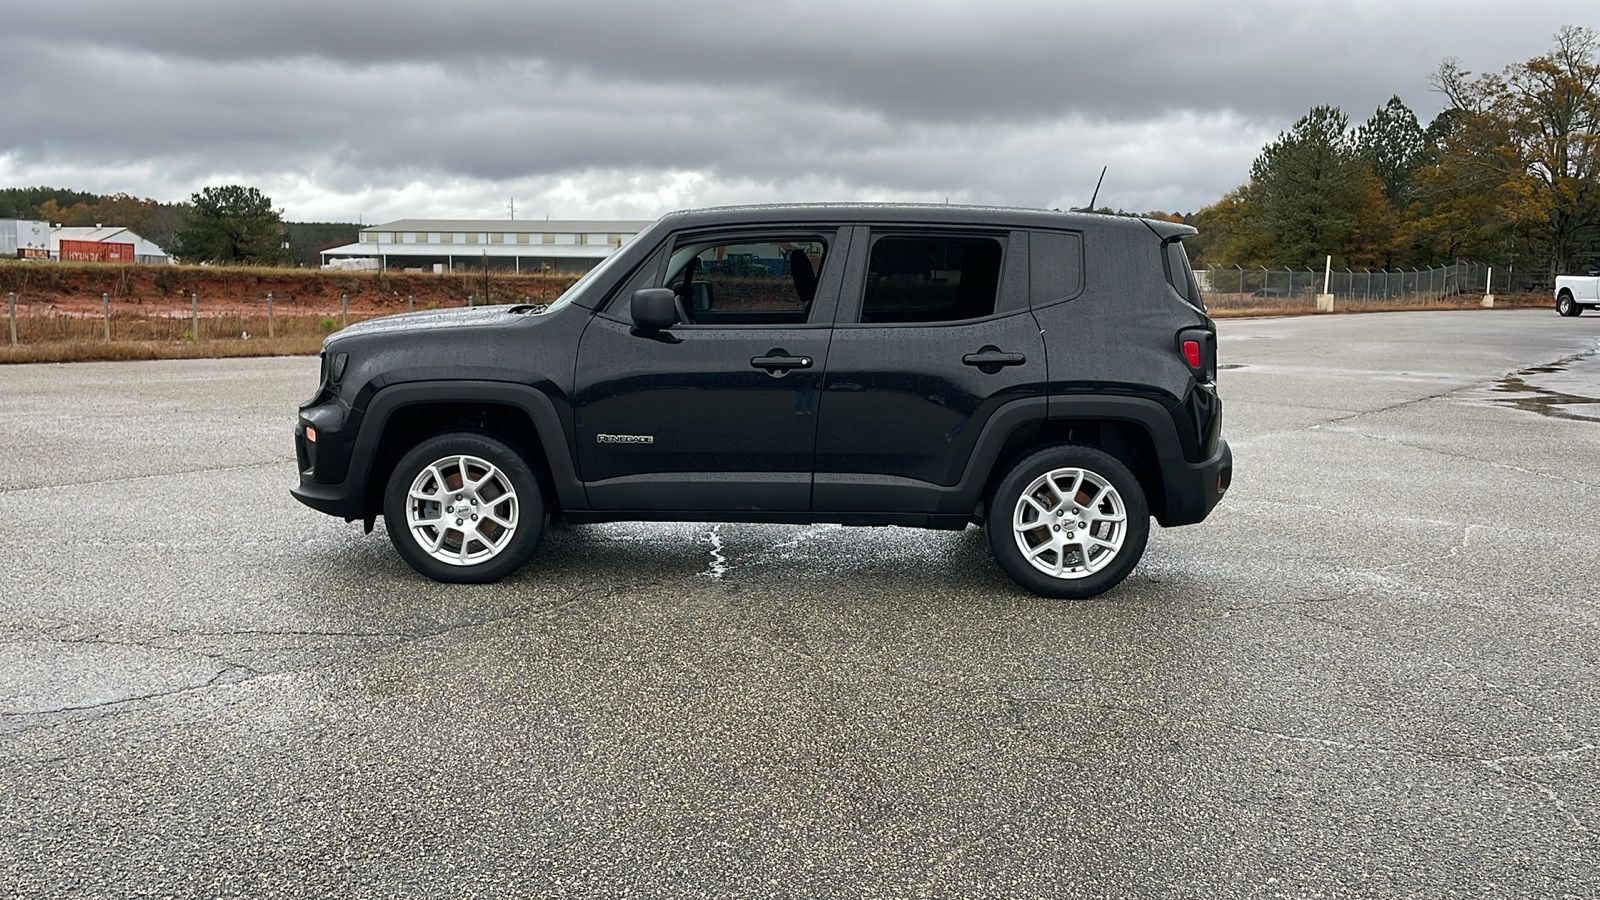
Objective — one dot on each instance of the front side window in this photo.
(931, 279)
(762, 281)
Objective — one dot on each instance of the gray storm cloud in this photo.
(415, 108)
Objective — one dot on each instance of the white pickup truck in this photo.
(1574, 293)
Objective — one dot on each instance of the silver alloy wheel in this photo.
(1070, 523)
(462, 510)
(1564, 304)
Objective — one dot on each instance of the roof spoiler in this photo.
(1169, 231)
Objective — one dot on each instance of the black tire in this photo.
(507, 492)
(1566, 306)
(1007, 522)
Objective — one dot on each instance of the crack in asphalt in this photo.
(1496, 764)
(1441, 395)
(1566, 479)
(1499, 765)
(1391, 407)
(31, 718)
(168, 474)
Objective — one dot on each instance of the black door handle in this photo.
(991, 359)
(779, 362)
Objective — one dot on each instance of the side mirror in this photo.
(653, 309)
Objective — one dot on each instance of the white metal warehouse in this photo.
(566, 246)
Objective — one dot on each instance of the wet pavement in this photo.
(1370, 674)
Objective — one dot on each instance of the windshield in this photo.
(582, 284)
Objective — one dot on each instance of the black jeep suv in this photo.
(1050, 376)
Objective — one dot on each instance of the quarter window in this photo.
(1056, 261)
(1179, 275)
(931, 279)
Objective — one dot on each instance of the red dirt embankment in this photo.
(76, 288)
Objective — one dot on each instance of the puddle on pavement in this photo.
(1544, 401)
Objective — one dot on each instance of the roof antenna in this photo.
(1096, 195)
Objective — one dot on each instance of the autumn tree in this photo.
(233, 224)
(23, 203)
(1230, 231)
(1518, 167)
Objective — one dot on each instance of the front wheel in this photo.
(1566, 306)
(1068, 521)
(463, 508)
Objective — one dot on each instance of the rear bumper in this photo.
(1194, 489)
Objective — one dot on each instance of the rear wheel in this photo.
(1566, 306)
(463, 508)
(1068, 521)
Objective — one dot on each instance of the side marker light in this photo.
(1191, 353)
(311, 434)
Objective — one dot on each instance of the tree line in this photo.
(1507, 174)
(225, 224)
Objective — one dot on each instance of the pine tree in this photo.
(234, 224)
(1393, 145)
(1309, 183)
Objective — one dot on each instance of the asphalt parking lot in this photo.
(1372, 673)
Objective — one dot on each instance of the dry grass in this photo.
(1222, 309)
(73, 284)
(60, 313)
(69, 336)
(56, 327)
(117, 351)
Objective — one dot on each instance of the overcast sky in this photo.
(451, 108)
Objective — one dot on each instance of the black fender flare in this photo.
(539, 408)
(1143, 413)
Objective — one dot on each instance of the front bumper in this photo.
(345, 497)
(1194, 489)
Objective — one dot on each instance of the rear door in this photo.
(717, 413)
(933, 335)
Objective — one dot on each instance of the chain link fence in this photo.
(1237, 287)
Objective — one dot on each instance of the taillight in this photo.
(1198, 347)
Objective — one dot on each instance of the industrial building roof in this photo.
(513, 226)
(468, 251)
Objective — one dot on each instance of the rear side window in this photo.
(1055, 262)
(1175, 260)
(931, 279)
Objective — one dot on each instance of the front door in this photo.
(717, 413)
